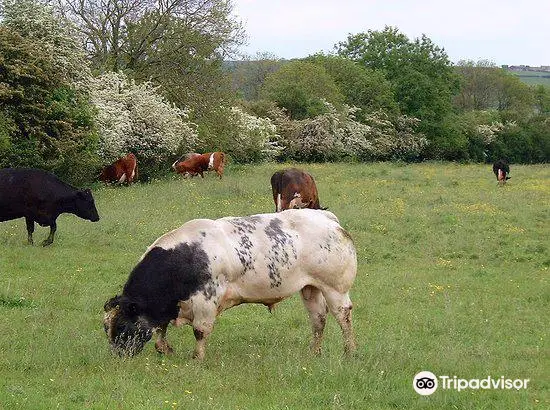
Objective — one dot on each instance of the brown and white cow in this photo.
(122, 170)
(196, 164)
(194, 273)
(501, 169)
(294, 189)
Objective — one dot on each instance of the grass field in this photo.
(534, 77)
(453, 278)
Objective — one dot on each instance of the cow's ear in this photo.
(112, 303)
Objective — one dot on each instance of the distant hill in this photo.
(531, 75)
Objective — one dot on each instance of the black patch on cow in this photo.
(151, 295)
(246, 224)
(244, 227)
(282, 246)
(166, 276)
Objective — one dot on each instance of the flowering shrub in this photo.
(255, 138)
(55, 36)
(336, 135)
(135, 118)
(489, 132)
(395, 139)
(245, 137)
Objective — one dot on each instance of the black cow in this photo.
(41, 197)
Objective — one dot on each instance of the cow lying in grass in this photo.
(192, 274)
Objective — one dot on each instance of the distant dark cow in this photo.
(123, 170)
(41, 197)
(294, 188)
(195, 164)
(501, 170)
(192, 274)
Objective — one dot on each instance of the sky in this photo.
(502, 31)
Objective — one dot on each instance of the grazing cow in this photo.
(122, 170)
(192, 274)
(195, 164)
(293, 188)
(501, 170)
(41, 197)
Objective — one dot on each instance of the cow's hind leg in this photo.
(49, 239)
(161, 345)
(316, 306)
(340, 306)
(30, 230)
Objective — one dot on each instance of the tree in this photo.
(178, 44)
(485, 86)
(46, 115)
(542, 98)
(302, 88)
(245, 137)
(36, 22)
(420, 72)
(248, 76)
(361, 87)
(135, 118)
(477, 85)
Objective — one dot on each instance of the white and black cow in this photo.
(192, 274)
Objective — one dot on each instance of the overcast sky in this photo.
(503, 31)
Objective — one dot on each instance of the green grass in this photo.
(533, 77)
(453, 278)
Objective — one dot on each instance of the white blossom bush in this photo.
(245, 137)
(56, 35)
(136, 118)
(255, 138)
(336, 135)
(395, 139)
(489, 132)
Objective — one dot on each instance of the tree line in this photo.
(83, 82)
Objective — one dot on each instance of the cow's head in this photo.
(126, 330)
(85, 205)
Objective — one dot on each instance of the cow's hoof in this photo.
(163, 348)
(47, 242)
(198, 356)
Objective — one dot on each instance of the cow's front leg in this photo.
(204, 315)
(30, 230)
(201, 334)
(49, 239)
(161, 345)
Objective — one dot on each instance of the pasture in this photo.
(534, 77)
(453, 278)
